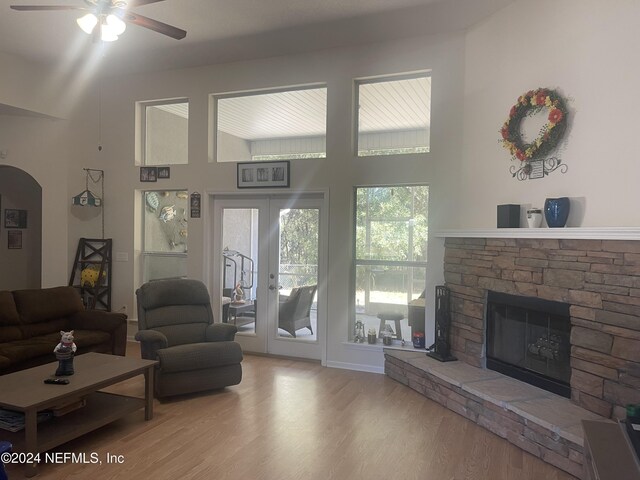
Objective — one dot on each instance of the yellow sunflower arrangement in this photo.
(551, 133)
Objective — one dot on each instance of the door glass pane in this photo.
(240, 268)
(298, 273)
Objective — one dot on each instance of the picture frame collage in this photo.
(264, 174)
(15, 220)
(153, 174)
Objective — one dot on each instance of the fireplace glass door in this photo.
(528, 339)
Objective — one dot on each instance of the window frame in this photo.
(375, 262)
(356, 107)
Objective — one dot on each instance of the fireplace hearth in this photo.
(528, 339)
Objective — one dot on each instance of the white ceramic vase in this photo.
(534, 217)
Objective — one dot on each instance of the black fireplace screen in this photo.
(528, 339)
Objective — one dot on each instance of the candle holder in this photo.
(372, 336)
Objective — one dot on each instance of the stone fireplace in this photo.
(599, 280)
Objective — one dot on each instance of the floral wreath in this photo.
(551, 133)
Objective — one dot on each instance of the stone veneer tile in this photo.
(554, 413)
(460, 373)
(403, 355)
(553, 423)
(504, 390)
(455, 373)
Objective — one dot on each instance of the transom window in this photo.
(394, 115)
(274, 125)
(164, 132)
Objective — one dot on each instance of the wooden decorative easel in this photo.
(95, 288)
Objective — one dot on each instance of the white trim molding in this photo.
(591, 233)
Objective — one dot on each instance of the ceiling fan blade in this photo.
(139, 3)
(154, 25)
(27, 8)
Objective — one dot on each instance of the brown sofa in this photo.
(31, 320)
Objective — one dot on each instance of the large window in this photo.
(391, 227)
(165, 234)
(394, 115)
(274, 125)
(164, 132)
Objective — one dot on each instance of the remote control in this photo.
(57, 381)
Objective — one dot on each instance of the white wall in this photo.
(232, 148)
(32, 87)
(40, 147)
(169, 141)
(338, 173)
(588, 50)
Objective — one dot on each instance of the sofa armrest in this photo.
(150, 342)
(221, 332)
(110, 322)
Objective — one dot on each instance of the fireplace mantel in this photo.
(587, 233)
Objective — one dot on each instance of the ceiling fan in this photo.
(112, 16)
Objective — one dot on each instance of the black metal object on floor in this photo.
(441, 348)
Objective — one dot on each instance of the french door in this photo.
(269, 267)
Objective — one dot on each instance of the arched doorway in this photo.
(20, 229)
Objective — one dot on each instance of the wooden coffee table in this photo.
(24, 391)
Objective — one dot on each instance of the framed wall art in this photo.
(14, 218)
(164, 172)
(264, 174)
(14, 239)
(194, 205)
(148, 174)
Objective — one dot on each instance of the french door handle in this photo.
(273, 287)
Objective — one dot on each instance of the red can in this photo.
(418, 340)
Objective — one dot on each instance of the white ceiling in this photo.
(395, 105)
(296, 113)
(226, 30)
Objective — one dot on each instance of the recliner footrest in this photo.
(197, 356)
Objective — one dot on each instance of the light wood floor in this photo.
(296, 420)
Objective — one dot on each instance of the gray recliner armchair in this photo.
(175, 327)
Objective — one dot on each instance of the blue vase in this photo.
(556, 211)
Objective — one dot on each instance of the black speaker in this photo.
(509, 216)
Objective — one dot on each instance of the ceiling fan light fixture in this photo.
(116, 25)
(87, 22)
(107, 33)
(110, 16)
